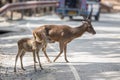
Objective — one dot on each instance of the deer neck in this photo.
(79, 31)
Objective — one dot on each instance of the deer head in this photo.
(89, 27)
(88, 24)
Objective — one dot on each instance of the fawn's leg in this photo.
(34, 60)
(34, 55)
(44, 50)
(34, 49)
(37, 52)
(18, 54)
(21, 59)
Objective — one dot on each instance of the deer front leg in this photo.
(61, 51)
(65, 50)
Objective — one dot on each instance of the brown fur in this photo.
(63, 34)
(28, 45)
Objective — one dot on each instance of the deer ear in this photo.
(85, 24)
(89, 21)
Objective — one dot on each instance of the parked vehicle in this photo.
(71, 8)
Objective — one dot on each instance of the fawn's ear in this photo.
(43, 36)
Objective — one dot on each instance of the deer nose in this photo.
(94, 33)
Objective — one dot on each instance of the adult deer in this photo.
(63, 34)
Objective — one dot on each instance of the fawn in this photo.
(29, 45)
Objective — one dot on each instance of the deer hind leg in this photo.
(21, 59)
(18, 54)
(44, 50)
(61, 45)
(37, 52)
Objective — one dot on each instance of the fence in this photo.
(27, 5)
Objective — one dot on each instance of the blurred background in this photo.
(107, 6)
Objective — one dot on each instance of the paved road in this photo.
(92, 57)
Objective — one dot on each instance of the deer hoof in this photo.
(36, 62)
(54, 60)
(67, 61)
(49, 61)
(23, 69)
